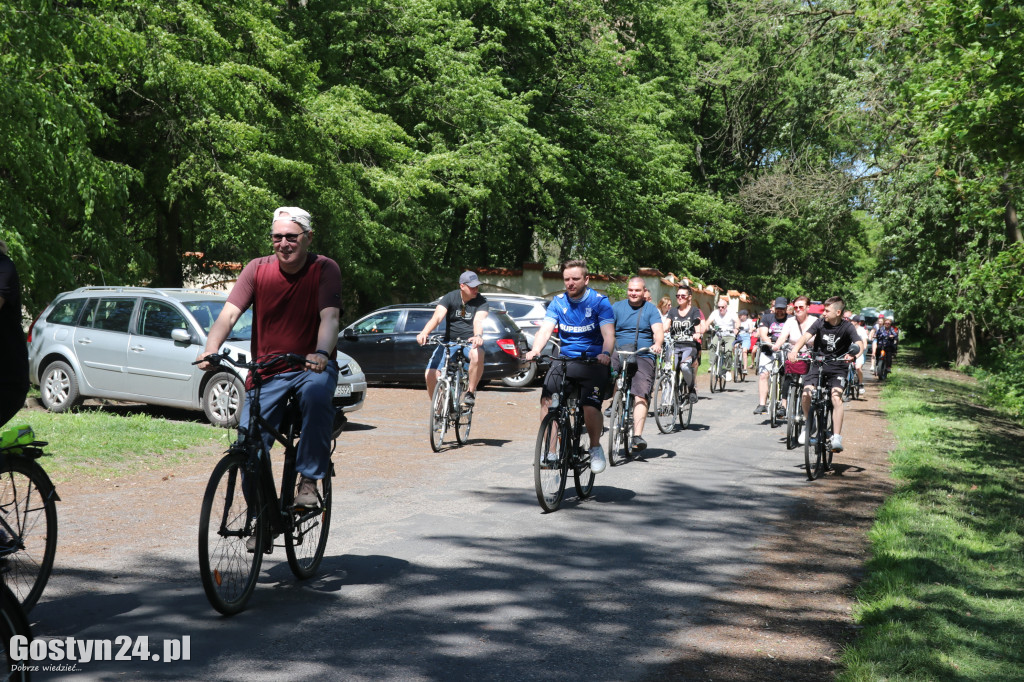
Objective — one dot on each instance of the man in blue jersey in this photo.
(586, 328)
(638, 325)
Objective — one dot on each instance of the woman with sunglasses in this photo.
(687, 325)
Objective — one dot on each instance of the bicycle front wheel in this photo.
(792, 410)
(583, 476)
(463, 420)
(13, 622)
(616, 430)
(684, 406)
(29, 538)
(306, 541)
(665, 406)
(438, 415)
(814, 445)
(227, 524)
(773, 400)
(549, 472)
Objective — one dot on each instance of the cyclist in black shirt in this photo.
(839, 340)
(465, 311)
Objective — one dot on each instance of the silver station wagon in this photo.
(138, 344)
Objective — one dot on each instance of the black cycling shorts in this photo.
(833, 378)
(592, 377)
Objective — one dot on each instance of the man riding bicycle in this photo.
(296, 296)
(638, 325)
(464, 311)
(838, 339)
(586, 328)
(724, 319)
(768, 332)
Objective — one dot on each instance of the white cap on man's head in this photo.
(296, 215)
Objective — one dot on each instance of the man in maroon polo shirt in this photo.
(297, 305)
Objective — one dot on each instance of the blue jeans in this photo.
(315, 391)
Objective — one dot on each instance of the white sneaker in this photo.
(597, 461)
(551, 457)
(837, 443)
(802, 438)
(728, 376)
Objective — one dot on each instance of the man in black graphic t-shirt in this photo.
(464, 311)
(838, 339)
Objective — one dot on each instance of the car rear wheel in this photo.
(58, 387)
(223, 398)
(524, 378)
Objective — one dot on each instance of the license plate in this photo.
(343, 390)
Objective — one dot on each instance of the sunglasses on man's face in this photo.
(799, 307)
(682, 296)
(290, 238)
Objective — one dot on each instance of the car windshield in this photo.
(205, 312)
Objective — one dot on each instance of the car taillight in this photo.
(31, 327)
(509, 346)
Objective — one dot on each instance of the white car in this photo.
(138, 344)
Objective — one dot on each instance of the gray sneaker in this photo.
(761, 409)
(639, 443)
(307, 496)
(469, 400)
(597, 461)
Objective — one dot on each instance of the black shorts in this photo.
(834, 378)
(592, 377)
(643, 377)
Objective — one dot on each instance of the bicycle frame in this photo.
(451, 384)
(620, 430)
(819, 424)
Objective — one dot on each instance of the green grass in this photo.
(104, 444)
(944, 593)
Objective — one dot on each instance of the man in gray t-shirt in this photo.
(464, 311)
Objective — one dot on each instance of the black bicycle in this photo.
(242, 512)
(28, 517)
(620, 427)
(883, 364)
(558, 443)
(446, 408)
(851, 389)
(818, 438)
(739, 369)
(794, 409)
(671, 401)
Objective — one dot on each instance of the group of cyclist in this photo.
(593, 329)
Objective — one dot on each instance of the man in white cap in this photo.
(464, 311)
(296, 297)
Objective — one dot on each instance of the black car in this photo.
(528, 312)
(384, 344)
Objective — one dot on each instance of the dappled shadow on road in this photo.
(516, 608)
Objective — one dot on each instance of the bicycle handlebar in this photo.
(438, 341)
(267, 361)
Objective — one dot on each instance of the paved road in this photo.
(440, 566)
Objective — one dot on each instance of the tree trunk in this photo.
(1013, 232)
(966, 341)
(169, 272)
